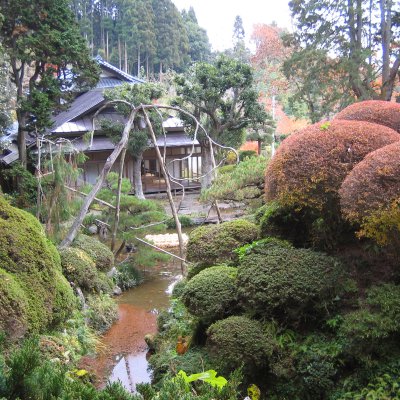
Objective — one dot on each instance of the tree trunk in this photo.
(99, 183)
(107, 55)
(206, 166)
(137, 176)
(119, 53)
(169, 193)
(118, 199)
(21, 138)
(126, 58)
(138, 62)
(386, 25)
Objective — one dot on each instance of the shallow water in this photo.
(124, 356)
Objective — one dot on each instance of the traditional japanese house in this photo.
(183, 156)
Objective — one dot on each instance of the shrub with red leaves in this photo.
(309, 167)
(372, 185)
(376, 111)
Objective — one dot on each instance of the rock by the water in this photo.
(93, 229)
(117, 291)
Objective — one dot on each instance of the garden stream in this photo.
(123, 353)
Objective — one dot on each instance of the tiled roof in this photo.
(176, 140)
(84, 124)
(106, 82)
(79, 106)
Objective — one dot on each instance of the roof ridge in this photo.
(106, 64)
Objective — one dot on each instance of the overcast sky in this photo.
(218, 16)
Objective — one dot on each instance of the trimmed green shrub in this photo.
(80, 269)
(183, 219)
(211, 294)
(262, 246)
(247, 154)
(287, 283)
(237, 341)
(214, 244)
(97, 251)
(34, 295)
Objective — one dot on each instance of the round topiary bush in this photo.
(102, 256)
(370, 194)
(34, 295)
(289, 284)
(305, 175)
(211, 294)
(78, 268)
(310, 166)
(214, 244)
(377, 111)
(237, 341)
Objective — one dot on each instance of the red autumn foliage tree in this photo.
(370, 194)
(377, 111)
(269, 57)
(310, 166)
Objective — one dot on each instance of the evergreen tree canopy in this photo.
(44, 48)
(222, 95)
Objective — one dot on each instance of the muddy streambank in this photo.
(123, 352)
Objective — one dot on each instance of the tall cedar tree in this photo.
(222, 96)
(172, 40)
(47, 56)
(344, 51)
(141, 34)
(199, 45)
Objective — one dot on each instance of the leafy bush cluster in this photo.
(27, 374)
(101, 313)
(214, 244)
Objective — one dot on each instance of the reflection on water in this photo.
(125, 354)
(131, 370)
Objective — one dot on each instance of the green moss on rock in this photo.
(211, 294)
(33, 289)
(97, 251)
(215, 244)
